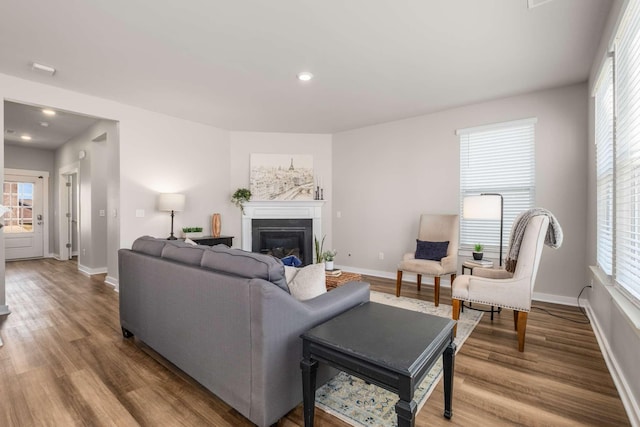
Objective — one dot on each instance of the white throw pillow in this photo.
(308, 282)
(191, 242)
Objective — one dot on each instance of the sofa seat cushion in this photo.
(245, 264)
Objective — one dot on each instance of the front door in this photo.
(23, 223)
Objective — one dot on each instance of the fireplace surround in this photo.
(280, 215)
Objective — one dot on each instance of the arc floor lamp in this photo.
(485, 206)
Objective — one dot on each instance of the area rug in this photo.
(361, 404)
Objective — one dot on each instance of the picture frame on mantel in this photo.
(281, 177)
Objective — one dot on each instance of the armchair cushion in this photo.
(433, 251)
(492, 273)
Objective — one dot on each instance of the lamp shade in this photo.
(171, 202)
(482, 207)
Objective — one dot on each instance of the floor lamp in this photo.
(485, 206)
(171, 202)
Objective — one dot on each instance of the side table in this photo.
(334, 282)
(470, 266)
(212, 241)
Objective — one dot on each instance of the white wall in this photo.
(97, 171)
(158, 153)
(385, 176)
(16, 157)
(243, 144)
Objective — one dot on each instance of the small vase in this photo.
(328, 265)
(216, 225)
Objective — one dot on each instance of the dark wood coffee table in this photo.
(391, 347)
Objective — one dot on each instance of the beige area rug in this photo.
(361, 404)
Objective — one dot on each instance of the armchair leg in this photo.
(436, 291)
(419, 281)
(515, 320)
(453, 277)
(522, 326)
(455, 313)
(398, 283)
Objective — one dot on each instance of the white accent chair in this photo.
(497, 287)
(433, 228)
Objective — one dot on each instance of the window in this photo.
(18, 197)
(498, 158)
(617, 131)
(604, 167)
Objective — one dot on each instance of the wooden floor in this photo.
(64, 363)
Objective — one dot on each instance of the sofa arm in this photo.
(332, 303)
(277, 321)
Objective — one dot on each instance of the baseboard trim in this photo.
(91, 271)
(630, 404)
(555, 299)
(112, 281)
(4, 310)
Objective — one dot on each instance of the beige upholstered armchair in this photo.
(498, 287)
(434, 229)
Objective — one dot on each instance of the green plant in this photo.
(478, 247)
(319, 249)
(329, 255)
(192, 229)
(240, 197)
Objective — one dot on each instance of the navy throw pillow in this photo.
(291, 261)
(433, 251)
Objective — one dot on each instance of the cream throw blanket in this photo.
(553, 238)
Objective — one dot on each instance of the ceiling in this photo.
(20, 119)
(233, 64)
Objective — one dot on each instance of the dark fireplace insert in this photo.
(283, 237)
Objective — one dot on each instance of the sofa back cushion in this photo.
(149, 245)
(245, 264)
(184, 253)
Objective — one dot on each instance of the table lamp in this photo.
(171, 202)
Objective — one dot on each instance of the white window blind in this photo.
(604, 167)
(497, 158)
(627, 152)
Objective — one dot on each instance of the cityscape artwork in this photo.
(281, 177)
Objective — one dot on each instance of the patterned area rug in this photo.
(361, 404)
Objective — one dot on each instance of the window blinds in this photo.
(497, 158)
(604, 167)
(627, 152)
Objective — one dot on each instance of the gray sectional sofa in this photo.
(225, 317)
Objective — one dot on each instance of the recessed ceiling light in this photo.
(305, 76)
(43, 68)
(44, 124)
(48, 112)
(25, 137)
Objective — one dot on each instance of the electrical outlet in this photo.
(139, 213)
(380, 256)
(102, 212)
(338, 214)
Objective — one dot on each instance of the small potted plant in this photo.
(319, 249)
(192, 232)
(240, 197)
(477, 251)
(328, 257)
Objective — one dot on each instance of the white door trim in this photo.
(73, 168)
(45, 202)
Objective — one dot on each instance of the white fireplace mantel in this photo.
(281, 209)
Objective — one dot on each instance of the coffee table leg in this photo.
(448, 359)
(406, 413)
(309, 369)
